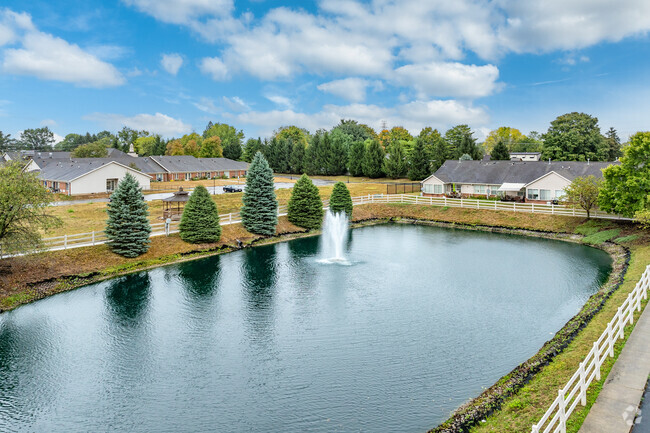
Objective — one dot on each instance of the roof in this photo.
(525, 153)
(67, 171)
(511, 186)
(190, 164)
(499, 172)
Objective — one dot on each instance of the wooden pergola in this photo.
(179, 198)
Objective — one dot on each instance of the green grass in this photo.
(600, 237)
(625, 239)
(591, 227)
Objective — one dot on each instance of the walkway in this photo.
(617, 402)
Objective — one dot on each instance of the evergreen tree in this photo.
(311, 164)
(338, 156)
(259, 213)
(419, 167)
(297, 158)
(395, 164)
(439, 154)
(128, 227)
(373, 160)
(500, 151)
(252, 147)
(613, 145)
(323, 154)
(465, 157)
(468, 146)
(305, 205)
(232, 150)
(340, 200)
(200, 220)
(355, 160)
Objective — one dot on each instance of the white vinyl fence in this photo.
(575, 391)
(157, 229)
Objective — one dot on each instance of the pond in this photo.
(271, 339)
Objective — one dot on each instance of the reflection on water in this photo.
(127, 297)
(267, 339)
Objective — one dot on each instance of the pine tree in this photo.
(297, 158)
(395, 165)
(232, 150)
(355, 160)
(323, 155)
(200, 220)
(500, 151)
(127, 227)
(373, 160)
(305, 205)
(259, 213)
(252, 147)
(311, 164)
(439, 154)
(419, 167)
(337, 158)
(340, 200)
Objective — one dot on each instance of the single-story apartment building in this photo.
(88, 177)
(530, 181)
(30, 165)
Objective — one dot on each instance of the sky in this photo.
(170, 66)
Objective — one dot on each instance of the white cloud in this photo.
(236, 104)
(207, 105)
(154, 123)
(182, 11)
(57, 138)
(214, 67)
(108, 52)
(352, 89)
(413, 116)
(171, 62)
(282, 101)
(446, 79)
(50, 58)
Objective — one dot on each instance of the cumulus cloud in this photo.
(51, 58)
(207, 105)
(235, 104)
(280, 100)
(352, 89)
(214, 67)
(155, 123)
(446, 79)
(171, 62)
(182, 11)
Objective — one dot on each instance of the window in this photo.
(437, 189)
(479, 189)
(188, 176)
(544, 194)
(111, 184)
(428, 188)
(559, 193)
(533, 194)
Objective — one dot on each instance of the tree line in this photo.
(349, 147)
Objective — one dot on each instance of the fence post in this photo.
(583, 385)
(461, 201)
(621, 323)
(93, 237)
(610, 340)
(495, 205)
(230, 217)
(552, 208)
(65, 242)
(514, 206)
(561, 407)
(445, 200)
(478, 206)
(597, 360)
(574, 211)
(532, 209)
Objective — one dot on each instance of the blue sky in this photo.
(172, 66)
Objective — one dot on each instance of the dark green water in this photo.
(268, 339)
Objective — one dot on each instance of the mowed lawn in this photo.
(85, 218)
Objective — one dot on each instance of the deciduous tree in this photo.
(24, 209)
(37, 139)
(97, 149)
(583, 192)
(574, 137)
(211, 148)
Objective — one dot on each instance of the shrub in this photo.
(305, 205)
(200, 220)
(128, 225)
(340, 200)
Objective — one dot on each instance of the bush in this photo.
(340, 200)
(259, 213)
(128, 225)
(200, 220)
(305, 205)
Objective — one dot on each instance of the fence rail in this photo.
(157, 229)
(575, 391)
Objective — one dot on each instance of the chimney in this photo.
(587, 161)
(549, 161)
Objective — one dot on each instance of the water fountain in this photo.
(335, 235)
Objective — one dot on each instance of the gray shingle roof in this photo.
(65, 171)
(498, 172)
(190, 164)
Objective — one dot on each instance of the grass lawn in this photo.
(84, 218)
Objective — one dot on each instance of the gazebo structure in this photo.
(173, 206)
